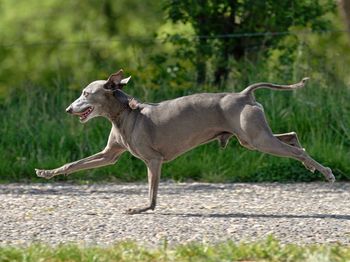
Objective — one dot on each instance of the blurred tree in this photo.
(216, 22)
(69, 41)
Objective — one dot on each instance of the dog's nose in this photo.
(69, 109)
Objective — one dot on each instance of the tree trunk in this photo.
(202, 44)
(345, 6)
(201, 72)
(227, 47)
(222, 70)
(111, 21)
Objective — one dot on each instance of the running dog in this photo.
(159, 132)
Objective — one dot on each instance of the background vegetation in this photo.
(50, 50)
(268, 250)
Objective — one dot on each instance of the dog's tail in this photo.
(253, 87)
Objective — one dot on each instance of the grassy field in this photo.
(268, 250)
(36, 132)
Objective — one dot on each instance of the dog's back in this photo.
(190, 120)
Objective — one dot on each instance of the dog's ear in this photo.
(123, 82)
(116, 81)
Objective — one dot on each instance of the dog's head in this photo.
(101, 98)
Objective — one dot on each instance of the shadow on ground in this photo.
(249, 215)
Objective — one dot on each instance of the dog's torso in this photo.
(175, 126)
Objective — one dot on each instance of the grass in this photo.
(36, 132)
(268, 250)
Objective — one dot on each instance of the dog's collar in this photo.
(123, 102)
(126, 100)
(116, 117)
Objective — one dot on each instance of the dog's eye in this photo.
(85, 93)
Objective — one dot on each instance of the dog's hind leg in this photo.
(245, 144)
(292, 140)
(275, 147)
(260, 136)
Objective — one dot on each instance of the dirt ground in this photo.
(94, 214)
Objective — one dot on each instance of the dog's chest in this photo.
(129, 144)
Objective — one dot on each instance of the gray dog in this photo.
(158, 133)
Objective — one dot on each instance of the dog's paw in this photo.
(133, 211)
(44, 173)
(329, 175)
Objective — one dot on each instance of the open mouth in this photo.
(83, 115)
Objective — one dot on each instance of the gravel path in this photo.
(93, 214)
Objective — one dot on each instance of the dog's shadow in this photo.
(255, 215)
(74, 190)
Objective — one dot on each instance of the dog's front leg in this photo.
(153, 172)
(103, 158)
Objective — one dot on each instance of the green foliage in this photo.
(234, 29)
(49, 51)
(268, 250)
(37, 133)
(53, 39)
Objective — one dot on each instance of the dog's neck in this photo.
(116, 110)
(116, 116)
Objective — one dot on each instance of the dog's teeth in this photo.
(85, 114)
